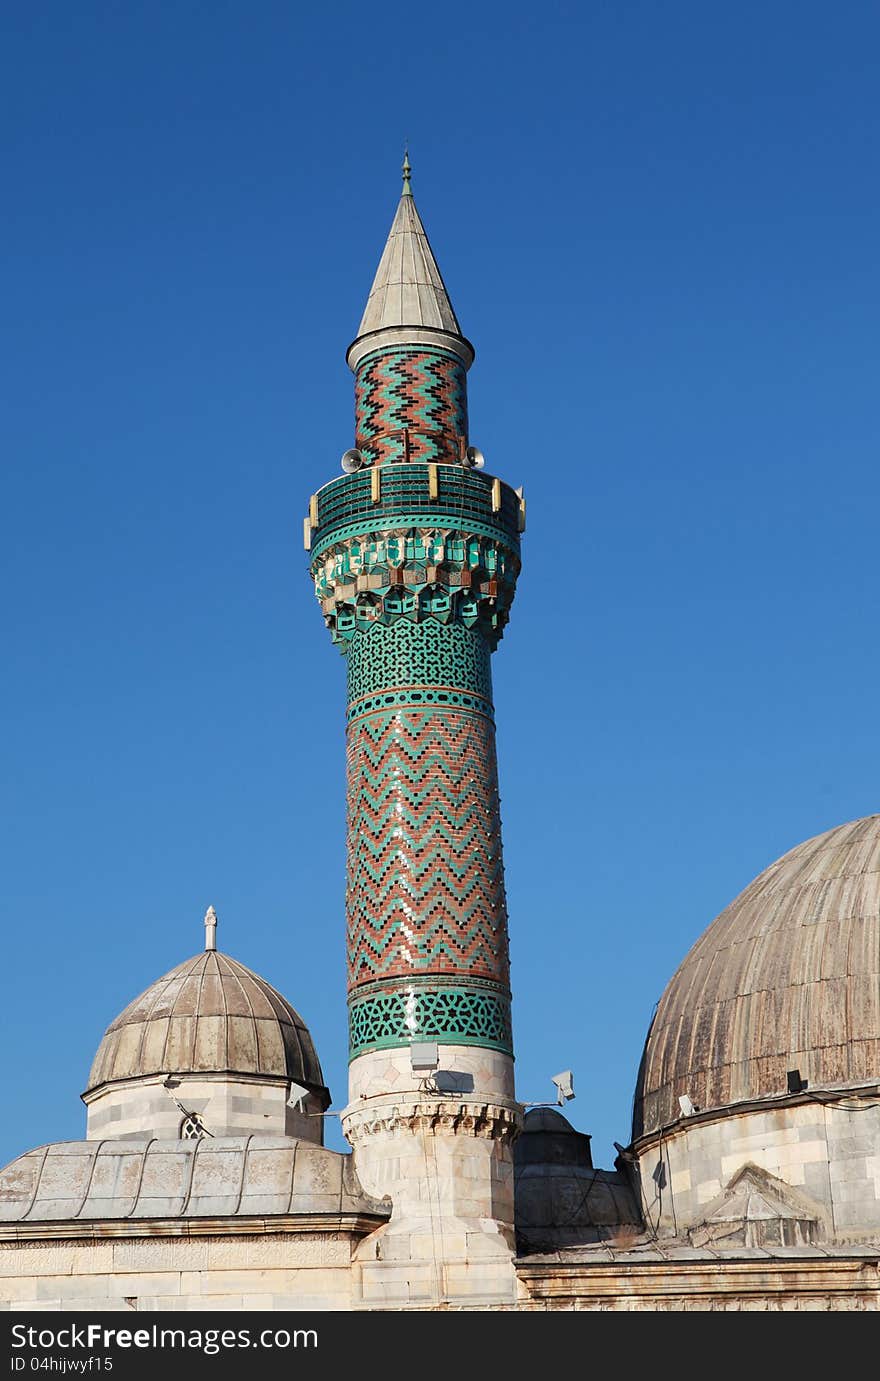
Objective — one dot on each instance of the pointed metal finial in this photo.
(407, 189)
(210, 928)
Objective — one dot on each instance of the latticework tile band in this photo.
(428, 654)
(454, 1015)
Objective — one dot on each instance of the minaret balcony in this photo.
(448, 497)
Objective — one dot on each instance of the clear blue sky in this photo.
(659, 225)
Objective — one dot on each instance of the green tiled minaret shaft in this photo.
(415, 556)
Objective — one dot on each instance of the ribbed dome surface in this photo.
(787, 977)
(209, 1014)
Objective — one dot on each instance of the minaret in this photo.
(415, 555)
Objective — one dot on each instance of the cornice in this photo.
(360, 1224)
(444, 1117)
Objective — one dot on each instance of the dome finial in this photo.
(210, 928)
(407, 189)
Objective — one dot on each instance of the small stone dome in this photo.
(787, 977)
(210, 1014)
(560, 1199)
(547, 1119)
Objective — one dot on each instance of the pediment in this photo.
(757, 1209)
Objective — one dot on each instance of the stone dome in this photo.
(546, 1119)
(560, 1199)
(787, 977)
(210, 1014)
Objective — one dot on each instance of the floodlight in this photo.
(688, 1108)
(424, 1057)
(564, 1086)
(296, 1097)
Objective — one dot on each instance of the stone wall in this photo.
(229, 1105)
(820, 1283)
(829, 1152)
(268, 1271)
(314, 1270)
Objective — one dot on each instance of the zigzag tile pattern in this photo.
(411, 404)
(425, 892)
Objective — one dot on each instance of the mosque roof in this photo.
(646, 1249)
(786, 978)
(211, 1013)
(77, 1182)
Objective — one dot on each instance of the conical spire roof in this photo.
(408, 290)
